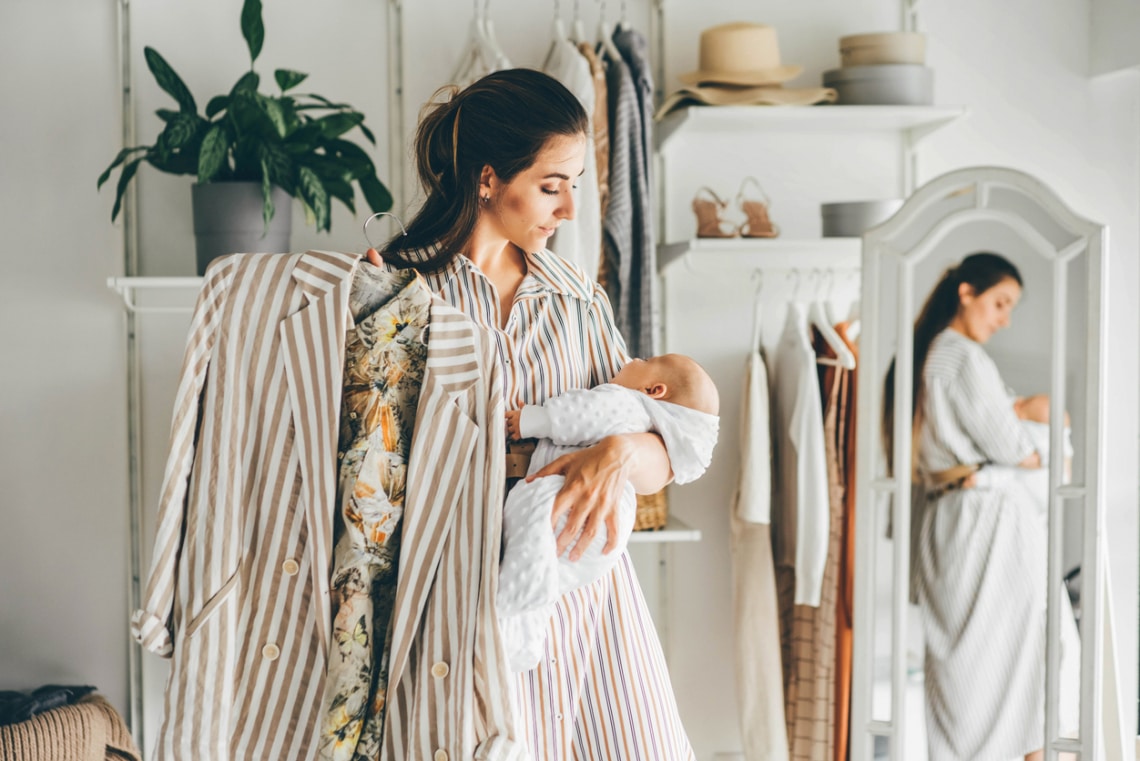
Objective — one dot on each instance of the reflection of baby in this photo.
(670, 395)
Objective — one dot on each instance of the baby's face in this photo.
(641, 374)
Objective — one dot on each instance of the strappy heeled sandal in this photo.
(710, 216)
(758, 224)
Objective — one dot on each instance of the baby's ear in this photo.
(657, 390)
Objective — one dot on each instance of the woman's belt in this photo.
(518, 457)
(950, 479)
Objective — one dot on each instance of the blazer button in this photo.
(290, 567)
(271, 652)
(441, 755)
(439, 670)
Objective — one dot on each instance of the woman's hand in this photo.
(595, 477)
(513, 432)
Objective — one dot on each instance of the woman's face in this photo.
(527, 210)
(980, 315)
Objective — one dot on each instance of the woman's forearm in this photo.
(648, 461)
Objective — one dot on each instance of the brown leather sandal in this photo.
(758, 224)
(710, 220)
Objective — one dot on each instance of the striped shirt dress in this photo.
(601, 691)
(980, 567)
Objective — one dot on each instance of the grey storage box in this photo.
(850, 219)
(890, 84)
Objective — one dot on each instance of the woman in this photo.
(498, 161)
(980, 564)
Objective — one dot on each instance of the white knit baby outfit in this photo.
(531, 574)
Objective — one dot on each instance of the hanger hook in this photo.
(794, 276)
(382, 214)
(829, 278)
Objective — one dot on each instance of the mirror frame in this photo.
(881, 244)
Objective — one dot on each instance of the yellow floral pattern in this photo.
(384, 367)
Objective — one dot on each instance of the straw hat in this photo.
(770, 95)
(740, 53)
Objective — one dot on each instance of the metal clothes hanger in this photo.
(371, 245)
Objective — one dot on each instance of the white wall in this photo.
(63, 603)
(63, 375)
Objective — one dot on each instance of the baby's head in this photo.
(672, 378)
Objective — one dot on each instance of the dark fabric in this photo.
(21, 706)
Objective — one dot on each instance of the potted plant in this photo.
(260, 148)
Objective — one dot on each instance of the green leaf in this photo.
(169, 81)
(314, 193)
(252, 28)
(278, 165)
(124, 180)
(267, 210)
(323, 101)
(272, 109)
(287, 79)
(217, 104)
(181, 131)
(378, 197)
(335, 125)
(248, 83)
(212, 154)
(166, 114)
(342, 191)
(368, 133)
(119, 159)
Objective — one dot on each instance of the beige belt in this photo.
(518, 457)
(951, 478)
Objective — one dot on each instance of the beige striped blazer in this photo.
(238, 593)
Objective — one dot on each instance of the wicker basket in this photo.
(652, 512)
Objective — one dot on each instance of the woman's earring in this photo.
(485, 200)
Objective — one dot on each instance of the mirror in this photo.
(966, 636)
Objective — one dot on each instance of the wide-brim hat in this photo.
(740, 53)
(770, 95)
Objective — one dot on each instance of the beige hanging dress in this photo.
(810, 637)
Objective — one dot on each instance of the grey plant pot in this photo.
(227, 220)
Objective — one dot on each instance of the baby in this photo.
(670, 395)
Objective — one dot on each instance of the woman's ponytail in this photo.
(980, 271)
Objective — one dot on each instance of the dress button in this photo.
(441, 755)
(558, 717)
(439, 670)
(271, 652)
(340, 455)
(352, 415)
(290, 567)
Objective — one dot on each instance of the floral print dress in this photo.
(385, 355)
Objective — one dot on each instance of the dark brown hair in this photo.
(503, 121)
(981, 271)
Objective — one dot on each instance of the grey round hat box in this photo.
(850, 219)
(888, 84)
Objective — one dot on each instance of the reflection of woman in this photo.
(499, 161)
(980, 563)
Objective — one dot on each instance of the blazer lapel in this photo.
(439, 463)
(312, 341)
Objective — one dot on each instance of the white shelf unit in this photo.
(675, 531)
(916, 121)
(742, 254)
